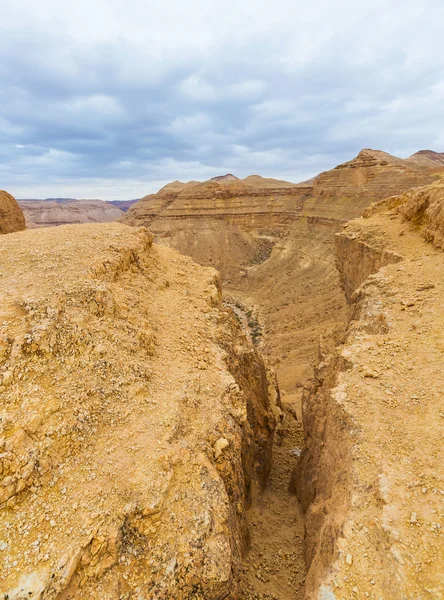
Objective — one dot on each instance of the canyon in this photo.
(182, 466)
(272, 242)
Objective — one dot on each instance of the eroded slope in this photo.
(135, 420)
(370, 477)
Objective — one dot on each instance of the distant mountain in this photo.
(124, 205)
(429, 158)
(48, 213)
(58, 200)
(227, 177)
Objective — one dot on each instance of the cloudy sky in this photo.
(114, 98)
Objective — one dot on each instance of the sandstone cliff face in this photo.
(11, 216)
(135, 420)
(370, 474)
(43, 213)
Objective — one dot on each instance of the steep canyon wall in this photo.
(370, 475)
(135, 421)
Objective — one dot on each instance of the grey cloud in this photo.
(280, 90)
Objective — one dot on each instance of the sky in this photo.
(113, 99)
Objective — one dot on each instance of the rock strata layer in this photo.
(135, 420)
(45, 213)
(11, 215)
(273, 243)
(370, 477)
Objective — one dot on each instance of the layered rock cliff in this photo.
(44, 213)
(373, 174)
(11, 215)
(135, 420)
(370, 476)
(273, 244)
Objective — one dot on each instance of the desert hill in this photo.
(49, 213)
(375, 174)
(273, 244)
(428, 158)
(11, 215)
(223, 178)
(136, 419)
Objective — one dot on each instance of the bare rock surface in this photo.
(11, 215)
(135, 420)
(370, 477)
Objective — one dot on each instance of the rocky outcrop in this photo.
(44, 213)
(425, 209)
(370, 474)
(11, 215)
(135, 420)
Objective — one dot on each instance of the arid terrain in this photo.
(48, 213)
(127, 470)
(273, 241)
(148, 449)
(371, 476)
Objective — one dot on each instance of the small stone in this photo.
(349, 559)
(6, 378)
(367, 372)
(220, 446)
(413, 518)
(295, 452)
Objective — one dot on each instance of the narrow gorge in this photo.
(269, 433)
(274, 244)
